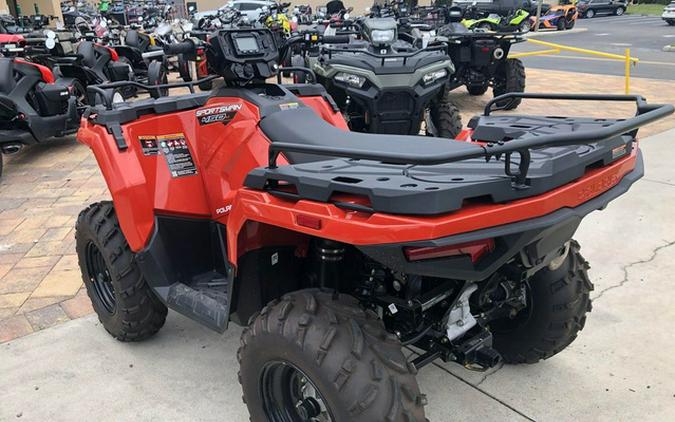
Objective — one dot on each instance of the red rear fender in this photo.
(127, 184)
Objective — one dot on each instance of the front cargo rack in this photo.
(104, 93)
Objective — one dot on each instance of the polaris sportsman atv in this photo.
(481, 59)
(336, 249)
(384, 85)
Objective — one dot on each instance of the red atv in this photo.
(335, 250)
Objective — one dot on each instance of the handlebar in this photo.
(309, 38)
(185, 47)
(335, 39)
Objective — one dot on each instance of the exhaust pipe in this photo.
(498, 53)
(11, 148)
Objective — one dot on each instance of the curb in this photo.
(549, 32)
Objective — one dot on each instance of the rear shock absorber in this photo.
(330, 255)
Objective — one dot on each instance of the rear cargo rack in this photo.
(640, 101)
(522, 146)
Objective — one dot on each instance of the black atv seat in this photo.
(88, 53)
(7, 82)
(303, 126)
(137, 40)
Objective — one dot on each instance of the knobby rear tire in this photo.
(358, 368)
(510, 78)
(447, 118)
(558, 303)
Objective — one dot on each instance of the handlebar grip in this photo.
(336, 39)
(185, 47)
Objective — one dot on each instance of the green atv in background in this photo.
(517, 21)
(386, 85)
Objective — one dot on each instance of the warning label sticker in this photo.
(149, 145)
(177, 154)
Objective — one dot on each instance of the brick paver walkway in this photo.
(44, 188)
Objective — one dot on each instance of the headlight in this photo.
(350, 79)
(432, 77)
(383, 35)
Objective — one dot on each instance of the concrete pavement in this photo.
(621, 368)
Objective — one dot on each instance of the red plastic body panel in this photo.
(358, 228)
(142, 186)
(45, 72)
(113, 54)
(11, 38)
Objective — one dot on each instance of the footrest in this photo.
(206, 301)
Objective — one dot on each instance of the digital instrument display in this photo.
(248, 44)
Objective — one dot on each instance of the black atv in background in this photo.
(480, 58)
(35, 106)
(94, 64)
(147, 61)
(385, 85)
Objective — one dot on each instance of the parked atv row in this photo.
(43, 95)
(334, 249)
(46, 74)
(393, 74)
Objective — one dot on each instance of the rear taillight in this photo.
(474, 250)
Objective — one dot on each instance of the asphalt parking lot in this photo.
(644, 35)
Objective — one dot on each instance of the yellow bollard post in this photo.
(627, 71)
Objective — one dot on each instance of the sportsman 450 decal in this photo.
(224, 114)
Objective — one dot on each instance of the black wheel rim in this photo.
(289, 395)
(99, 277)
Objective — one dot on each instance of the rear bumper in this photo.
(16, 136)
(538, 236)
